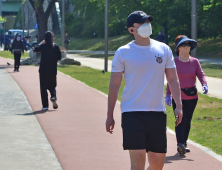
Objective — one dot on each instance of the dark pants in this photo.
(66, 44)
(47, 83)
(17, 57)
(183, 129)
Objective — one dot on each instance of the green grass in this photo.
(7, 54)
(212, 70)
(209, 48)
(95, 44)
(91, 77)
(207, 118)
(206, 123)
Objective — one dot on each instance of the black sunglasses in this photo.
(186, 44)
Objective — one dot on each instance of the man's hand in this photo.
(178, 115)
(110, 122)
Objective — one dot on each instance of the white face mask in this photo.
(18, 38)
(145, 30)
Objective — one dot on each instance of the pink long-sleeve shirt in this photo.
(187, 72)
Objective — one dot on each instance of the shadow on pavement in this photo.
(6, 66)
(36, 112)
(176, 157)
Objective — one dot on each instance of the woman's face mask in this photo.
(18, 38)
(145, 30)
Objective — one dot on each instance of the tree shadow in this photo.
(36, 112)
(176, 157)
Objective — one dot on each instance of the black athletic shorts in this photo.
(144, 130)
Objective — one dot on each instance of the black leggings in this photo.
(17, 57)
(183, 129)
(47, 83)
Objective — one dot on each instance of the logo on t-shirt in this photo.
(159, 59)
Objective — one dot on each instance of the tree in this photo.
(2, 19)
(209, 13)
(41, 16)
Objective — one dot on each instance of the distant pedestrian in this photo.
(26, 44)
(188, 68)
(18, 49)
(50, 54)
(160, 37)
(143, 62)
(67, 40)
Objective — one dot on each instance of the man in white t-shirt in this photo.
(143, 63)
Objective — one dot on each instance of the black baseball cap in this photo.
(138, 17)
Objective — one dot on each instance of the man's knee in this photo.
(156, 160)
(138, 159)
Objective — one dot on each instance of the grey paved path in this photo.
(210, 60)
(23, 144)
(214, 84)
(90, 52)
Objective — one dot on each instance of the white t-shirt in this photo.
(144, 68)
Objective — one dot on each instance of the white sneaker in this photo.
(45, 108)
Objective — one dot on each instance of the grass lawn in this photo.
(95, 44)
(212, 70)
(209, 48)
(206, 123)
(207, 119)
(7, 54)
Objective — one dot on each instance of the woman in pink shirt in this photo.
(188, 68)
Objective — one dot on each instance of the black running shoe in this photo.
(54, 104)
(181, 149)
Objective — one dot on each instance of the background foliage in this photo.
(172, 17)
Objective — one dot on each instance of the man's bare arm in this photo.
(115, 83)
(174, 84)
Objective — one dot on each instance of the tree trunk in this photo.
(42, 24)
(42, 17)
